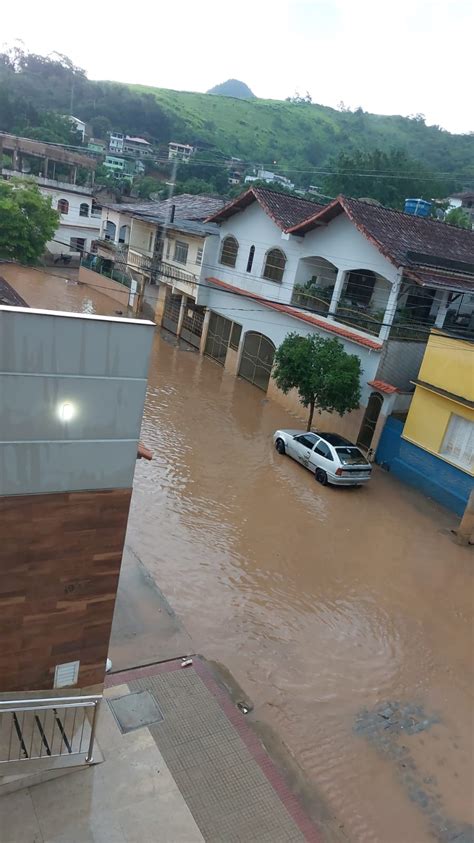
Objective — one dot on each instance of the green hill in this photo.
(233, 88)
(302, 136)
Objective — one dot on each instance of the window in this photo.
(323, 450)
(458, 442)
(250, 258)
(180, 252)
(235, 335)
(274, 265)
(77, 244)
(124, 232)
(199, 257)
(360, 286)
(229, 251)
(63, 206)
(351, 456)
(168, 248)
(307, 439)
(83, 209)
(150, 241)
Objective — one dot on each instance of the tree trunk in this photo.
(311, 414)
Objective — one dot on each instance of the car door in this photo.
(322, 457)
(302, 447)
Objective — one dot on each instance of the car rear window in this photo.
(351, 456)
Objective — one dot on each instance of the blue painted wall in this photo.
(434, 477)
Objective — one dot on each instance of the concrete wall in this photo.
(96, 364)
(113, 289)
(400, 362)
(429, 417)
(448, 364)
(436, 478)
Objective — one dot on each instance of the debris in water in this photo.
(244, 707)
(186, 662)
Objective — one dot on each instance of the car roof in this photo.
(335, 439)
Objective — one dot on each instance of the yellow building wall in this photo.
(428, 419)
(449, 364)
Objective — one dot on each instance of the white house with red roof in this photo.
(375, 278)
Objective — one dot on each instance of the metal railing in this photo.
(54, 727)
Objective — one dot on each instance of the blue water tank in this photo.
(418, 207)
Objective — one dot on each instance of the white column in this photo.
(391, 308)
(184, 302)
(443, 309)
(338, 288)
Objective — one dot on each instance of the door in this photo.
(171, 312)
(217, 338)
(370, 419)
(257, 359)
(301, 448)
(193, 319)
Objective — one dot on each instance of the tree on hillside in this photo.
(389, 177)
(28, 221)
(325, 376)
(458, 217)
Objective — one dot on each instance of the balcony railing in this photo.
(39, 730)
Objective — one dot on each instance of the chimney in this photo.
(172, 213)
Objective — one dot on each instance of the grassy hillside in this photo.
(303, 136)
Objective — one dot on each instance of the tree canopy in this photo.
(28, 221)
(326, 377)
(389, 177)
(458, 217)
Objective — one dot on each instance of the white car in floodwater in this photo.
(330, 457)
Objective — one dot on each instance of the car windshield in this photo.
(351, 456)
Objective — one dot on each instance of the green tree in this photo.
(458, 217)
(326, 377)
(28, 221)
(389, 177)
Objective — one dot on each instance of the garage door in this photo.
(217, 338)
(171, 312)
(193, 319)
(257, 359)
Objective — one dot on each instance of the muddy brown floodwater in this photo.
(345, 614)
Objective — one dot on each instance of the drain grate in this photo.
(133, 711)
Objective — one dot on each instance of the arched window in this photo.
(110, 230)
(63, 206)
(83, 209)
(250, 258)
(274, 266)
(124, 234)
(229, 251)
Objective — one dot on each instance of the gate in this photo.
(217, 338)
(171, 312)
(370, 419)
(257, 359)
(193, 319)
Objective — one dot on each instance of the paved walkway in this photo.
(181, 766)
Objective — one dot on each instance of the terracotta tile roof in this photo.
(9, 296)
(406, 240)
(301, 314)
(381, 386)
(285, 210)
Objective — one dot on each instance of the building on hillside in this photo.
(56, 171)
(116, 142)
(79, 126)
(137, 146)
(270, 178)
(374, 278)
(180, 152)
(73, 389)
(97, 145)
(434, 449)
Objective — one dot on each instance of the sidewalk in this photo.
(195, 772)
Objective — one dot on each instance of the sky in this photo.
(403, 57)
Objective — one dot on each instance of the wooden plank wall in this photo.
(60, 557)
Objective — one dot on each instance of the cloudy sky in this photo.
(401, 57)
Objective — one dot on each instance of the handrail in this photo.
(41, 728)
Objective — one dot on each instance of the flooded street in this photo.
(344, 614)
